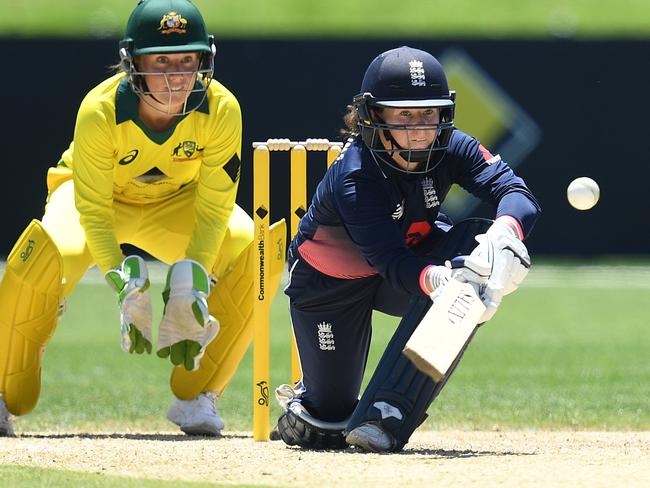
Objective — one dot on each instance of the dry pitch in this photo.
(433, 458)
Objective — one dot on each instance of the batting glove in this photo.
(509, 261)
(131, 282)
(466, 269)
(187, 326)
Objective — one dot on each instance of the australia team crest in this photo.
(173, 22)
(186, 150)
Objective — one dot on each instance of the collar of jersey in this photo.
(126, 108)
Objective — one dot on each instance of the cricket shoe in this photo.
(198, 416)
(6, 422)
(371, 437)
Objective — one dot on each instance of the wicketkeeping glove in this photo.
(187, 326)
(509, 261)
(131, 282)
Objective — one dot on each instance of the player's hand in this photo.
(467, 269)
(470, 269)
(509, 261)
(131, 282)
(187, 327)
(476, 271)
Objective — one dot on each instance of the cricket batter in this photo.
(374, 238)
(155, 162)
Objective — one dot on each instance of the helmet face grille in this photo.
(194, 97)
(423, 160)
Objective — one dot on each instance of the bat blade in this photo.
(445, 330)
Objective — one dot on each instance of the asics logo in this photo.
(130, 156)
(399, 211)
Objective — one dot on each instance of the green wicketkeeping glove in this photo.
(131, 282)
(187, 326)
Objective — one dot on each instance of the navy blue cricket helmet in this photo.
(405, 78)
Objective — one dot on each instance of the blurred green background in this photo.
(344, 18)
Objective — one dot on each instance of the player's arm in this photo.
(492, 180)
(92, 170)
(217, 185)
(187, 327)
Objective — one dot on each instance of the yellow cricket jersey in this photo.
(114, 156)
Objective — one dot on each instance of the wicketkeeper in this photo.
(374, 239)
(155, 163)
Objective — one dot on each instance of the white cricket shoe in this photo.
(370, 437)
(6, 422)
(198, 416)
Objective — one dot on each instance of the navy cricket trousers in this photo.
(331, 320)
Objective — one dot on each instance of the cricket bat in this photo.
(445, 330)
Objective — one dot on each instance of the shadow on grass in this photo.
(430, 453)
(133, 437)
(445, 453)
(459, 454)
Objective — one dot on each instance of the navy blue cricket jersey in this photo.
(366, 217)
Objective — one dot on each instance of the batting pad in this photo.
(30, 295)
(231, 302)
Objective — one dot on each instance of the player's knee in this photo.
(330, 406)
(240, 228)
(239, 235)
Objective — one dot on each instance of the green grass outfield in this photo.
(343, 18)
(31, 477)
(569, 350)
